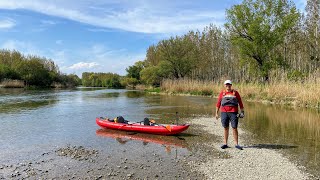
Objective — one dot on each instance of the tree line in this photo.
(33, 71)
(109, 80)
(113, 80)
(263, 41)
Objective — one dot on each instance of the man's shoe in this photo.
(224, 146)
(239, 147)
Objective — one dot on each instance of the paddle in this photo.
(168, 127)
(177, 118)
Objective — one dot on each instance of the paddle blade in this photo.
(168, 127)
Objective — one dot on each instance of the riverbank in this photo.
(255, 161)
(12, 84)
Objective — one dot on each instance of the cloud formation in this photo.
(7, 23)
(140, 16)
(83, 65)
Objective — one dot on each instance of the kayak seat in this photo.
(111, 120)
(146, 121)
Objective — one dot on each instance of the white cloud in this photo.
(83, 65)
(140, 16)
(103, 59)
(48, 22)
(7, 23)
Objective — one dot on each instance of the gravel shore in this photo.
(253, 162)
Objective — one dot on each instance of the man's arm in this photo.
(239, 101)
(218, 105)
(240, 104)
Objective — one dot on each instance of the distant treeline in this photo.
(113, 80)
(33, 71)
(263, 41)
(109, 80)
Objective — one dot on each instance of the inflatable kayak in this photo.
(160, 129)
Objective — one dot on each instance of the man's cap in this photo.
(227, 82)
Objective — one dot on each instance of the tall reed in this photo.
(12, 83)
(283, 92)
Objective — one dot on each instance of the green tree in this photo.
(257, 27)
(127, 81)
(180, 53)
(34, 73)
(150, 76)
(152, 56)
(134, 71)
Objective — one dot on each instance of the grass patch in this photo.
(153, 90)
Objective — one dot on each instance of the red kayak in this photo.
(160, 129)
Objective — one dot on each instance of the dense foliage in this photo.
(109, 80)
(257, 28)
(264, 40)
(33, 70)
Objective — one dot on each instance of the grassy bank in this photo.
(12, 84)
(288, 93)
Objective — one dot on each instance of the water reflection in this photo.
(109, 95)
(270, 146)
(23, 106)
(11, 91)
(15, 100)
(123, 137)
(89, 88)
(280, 123)
(134, 94)
(295, 131)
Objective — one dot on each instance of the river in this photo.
(36, 121)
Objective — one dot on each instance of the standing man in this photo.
(228, 102)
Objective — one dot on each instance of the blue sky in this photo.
(102, 35)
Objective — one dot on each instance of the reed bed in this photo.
(295, 94)
(12, 84)
(187, 86)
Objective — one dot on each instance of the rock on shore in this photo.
(249, 163)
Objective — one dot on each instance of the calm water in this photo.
(37, 121)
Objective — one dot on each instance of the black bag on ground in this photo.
(146, 122)
(120, 119)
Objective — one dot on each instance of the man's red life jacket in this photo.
(229, 101)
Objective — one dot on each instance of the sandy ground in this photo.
(204, 159)
(253, 162)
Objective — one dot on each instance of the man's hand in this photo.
(217, 116)
(241, 115)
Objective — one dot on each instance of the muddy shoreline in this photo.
(202, 159)
(77, 162)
